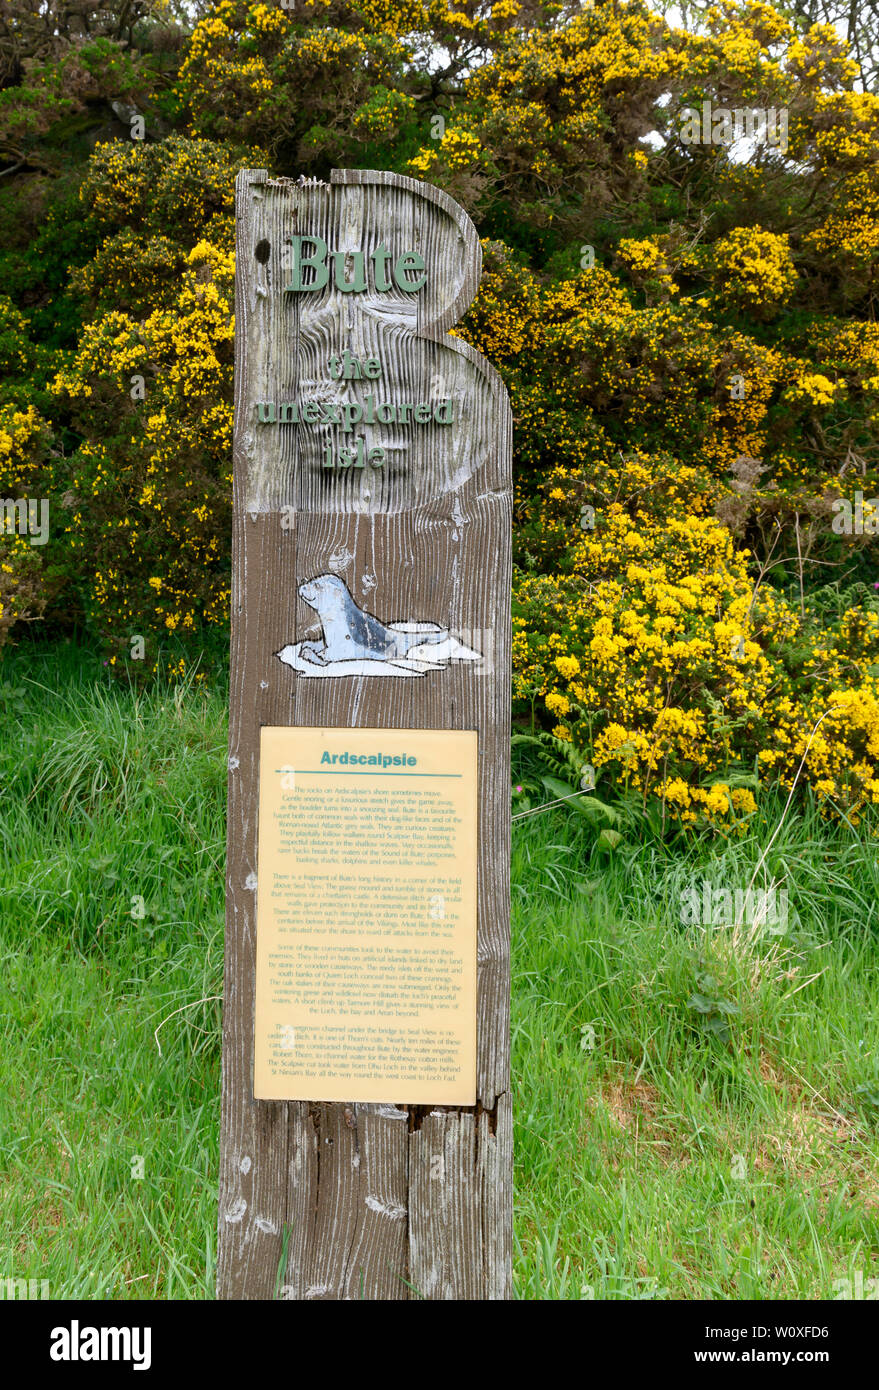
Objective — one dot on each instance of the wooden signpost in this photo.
(366, 1127)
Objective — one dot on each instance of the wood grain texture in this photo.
(370, 1201)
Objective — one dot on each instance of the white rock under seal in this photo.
(356, 643)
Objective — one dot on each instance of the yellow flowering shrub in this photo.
(843, 142)
(149, 392)
(649, 263)
(157, 494)
(296, 80)
(658, 656)
(26, 581)
(754, 270)
(687, 331)
(22, 595)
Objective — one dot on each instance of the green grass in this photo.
(656, 1158)
(661, 1152)
(109, 803)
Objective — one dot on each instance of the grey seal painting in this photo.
(356, 643)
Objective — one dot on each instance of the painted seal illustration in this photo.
(356, 643)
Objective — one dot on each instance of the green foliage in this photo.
(686, 332)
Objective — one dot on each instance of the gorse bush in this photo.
(661, 659)
(149, 391)
(684, 319)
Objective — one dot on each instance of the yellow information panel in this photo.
(366, 916)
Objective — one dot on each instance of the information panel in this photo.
(366, 916)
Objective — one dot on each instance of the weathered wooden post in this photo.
(366, 1128)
